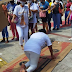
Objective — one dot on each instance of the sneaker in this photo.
(49, 30)
(7, 42)
(53, 28)
(3, 41)
(12, 38)
(17, 39)
(57, 29)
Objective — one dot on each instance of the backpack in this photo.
(56, 9)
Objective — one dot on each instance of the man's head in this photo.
(42, 30)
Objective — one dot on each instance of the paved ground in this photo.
(12, 50)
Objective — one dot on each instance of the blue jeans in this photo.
(5, 32)
(60, 20)
(66, 14)
(56, 19)
(49, 19)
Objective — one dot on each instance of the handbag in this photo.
(30, 17)
(60, 10)
(42, 14)
(16, 20)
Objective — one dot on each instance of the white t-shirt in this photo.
(61, 3)
(71, 7)
(19, 11)
(33, 6)
(36, 41)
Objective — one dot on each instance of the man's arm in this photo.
(51, 51)
(49, 44)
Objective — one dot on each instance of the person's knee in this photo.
(31, 68)
(20, 36)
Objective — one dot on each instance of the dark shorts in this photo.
(44, 19)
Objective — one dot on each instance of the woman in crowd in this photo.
(34, 10)
(56, 15)
(44, 5)
(67, 10)
(49, 15)
(61, 2)
(10, 8)
(70, 13)
(21, 13)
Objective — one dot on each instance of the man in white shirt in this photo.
(33, 48)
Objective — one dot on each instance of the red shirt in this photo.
(68, 6)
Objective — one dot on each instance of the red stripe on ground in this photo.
(63, 45)
(60, 35)
(63, 22)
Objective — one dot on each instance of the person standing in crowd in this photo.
(49, 14)
(60, 1)
(21, 11)
(44, 5)
(10, 8)
(4, 31)
(33, 48)
(56, 14)
(67, 10)
(70, 14)
(34, 9)
(37, 15)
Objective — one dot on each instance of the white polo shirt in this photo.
(36, 41)
(19, 11)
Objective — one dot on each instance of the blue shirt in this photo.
(45, 5)
(11, 7)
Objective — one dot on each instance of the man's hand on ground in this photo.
(53, 57)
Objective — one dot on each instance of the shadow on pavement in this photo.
(3, 45)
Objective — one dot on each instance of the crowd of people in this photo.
(23, 15)
(36, 9)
